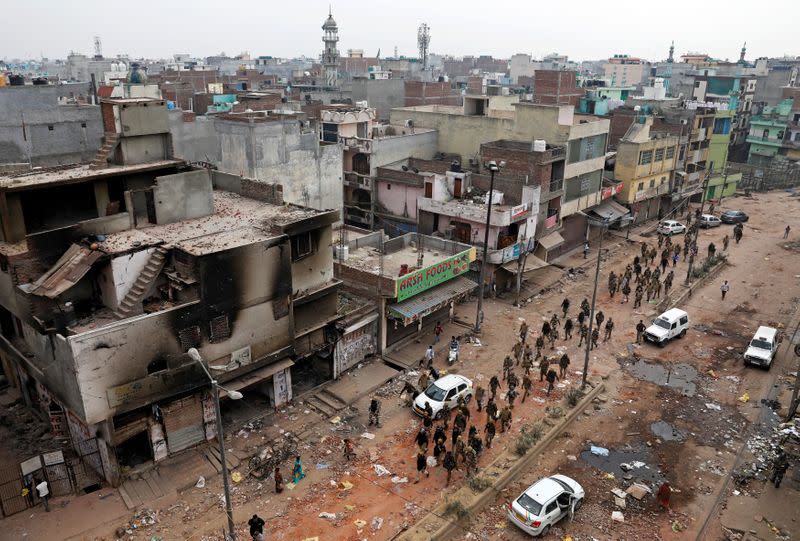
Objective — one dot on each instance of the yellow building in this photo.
(645, 164)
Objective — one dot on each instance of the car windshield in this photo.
(760, 344)
(734, 213)
(663, 323)
(434, 392)
(530, 505)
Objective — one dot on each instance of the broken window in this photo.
(302, 245)
(189, 337)
(156, 365)
(645, 157)
(219, 329)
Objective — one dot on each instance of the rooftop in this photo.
(75, 174)
(236, 221)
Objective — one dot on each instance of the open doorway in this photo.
(136, 450)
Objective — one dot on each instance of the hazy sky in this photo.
(582, 29)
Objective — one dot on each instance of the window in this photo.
(670, 153)
(302, 245)
(330, 132)
(663, 180)
(697, 84)
(652, 183)
(189, 337)
(765, 134)
(50, 127)
(645, 157)
(219, 329)
(641, 186)
(796, 137)
(550, 508)
(83, 124)
(659, 155)
(682, 153)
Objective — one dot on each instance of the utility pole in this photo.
(493, 168)
(793, 403)
(523, 256)
(697, 228)
(603, 225)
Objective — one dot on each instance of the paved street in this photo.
(642, 416)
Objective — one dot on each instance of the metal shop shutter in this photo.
(183, 423)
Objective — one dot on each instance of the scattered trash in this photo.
(345, 485)
(236, 477)
(619, 502)
(677, 526)
(380, 470)
(330, 516)
(599, 451)
(745, 398)
(335, 420)
(618, 492)
(431, 461)
(638, 490)
(368, 435)
(398, 480)
(609, 476)
(359, 523)
(322, 466)
(201, 482)
(617, 516)
(711, 406)
(377, 523)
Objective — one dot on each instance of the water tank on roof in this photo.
(16, 80)
(40, 81)
(539, 145)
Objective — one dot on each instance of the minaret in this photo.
(671, 57)
(330, 55)
(741, 55)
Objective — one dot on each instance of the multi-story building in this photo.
(463, 129)
(556, 87)
(624, 70)
(645, 162)
(774, 132)
(413, 280)
(110, 272)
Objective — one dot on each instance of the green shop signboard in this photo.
(417, 281)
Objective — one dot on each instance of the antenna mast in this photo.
(423, 42)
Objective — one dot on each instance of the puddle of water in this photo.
(666, 431)
(677, 376)
(628, 455)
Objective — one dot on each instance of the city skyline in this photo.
(277, 30)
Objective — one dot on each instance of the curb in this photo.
(502, 478)
(695, 285)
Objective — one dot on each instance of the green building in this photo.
(719, 183)
(767, 136)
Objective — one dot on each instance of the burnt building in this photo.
(110, 272)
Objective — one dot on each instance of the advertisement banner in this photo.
(415, 282)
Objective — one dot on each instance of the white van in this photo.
(668, 325)
(762, 347)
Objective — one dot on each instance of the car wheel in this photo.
(578, 504)
(467, 398)
(682, 334)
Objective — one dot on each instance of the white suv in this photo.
(670, 227)
(446, 389)
(544, 503)
(668, 325)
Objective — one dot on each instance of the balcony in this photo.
(502, 215)
(557, 185)
(761, 140)
(357, 215)
(356, 144)
(698, 135)
(357, 180)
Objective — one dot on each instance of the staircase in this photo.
(110, 142)
(132, 303)
(325, 403)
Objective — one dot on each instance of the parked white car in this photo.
(544, 503)
(671, 227)
(762, 347)
(667, 326)
(709, 220)
(447, 390)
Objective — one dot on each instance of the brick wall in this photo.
(263, 191)
(556, 87)
(107, 111)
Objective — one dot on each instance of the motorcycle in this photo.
(452, 354)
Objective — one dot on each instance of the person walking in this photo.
(595, 338)
(422, 466)
(297, 470)
(511, 395)
(609, 328)
(663, 495)
(508, 364)
(427, 359)
(543, 364)
(256, 524)
(640, 327)
(480, 392)
(563, 364)
(724, 288)
(491, 430)
(527, 383)
(779, 468)
(449, 465)
(725, 242)
(546, 329)
(513, 380)
(517, 350)
(423, 380)
(505, 419)
(491, 410)
(585, 308)
(445, 415)
(422, 440)
(43, 490)
(711, 250)
(470, 460)
(523, 331)
(568, 329)
(584, 334)
(278, 480)
(555, 322)
(786, 232)
(626, 292)
(599, 317)
(581, 318)
(585, 250)
(527, 364)
(455, 434)
(539, 346)
(551, 379)
(494, 383)
(674, 259)
(553, 337)
(565, 306)
(375, 412)
(637, 299)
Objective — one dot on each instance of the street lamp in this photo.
(493, 168)
(233, 395)
(604, 225)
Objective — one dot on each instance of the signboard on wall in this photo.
(423, 279)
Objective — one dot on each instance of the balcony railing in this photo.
(359, 144)
(357, 180)
(557, 185)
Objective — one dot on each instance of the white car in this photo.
(668, 325)
(447, 390)
(709, 220)
(671, 227)
(544, 503)
(762, 347)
